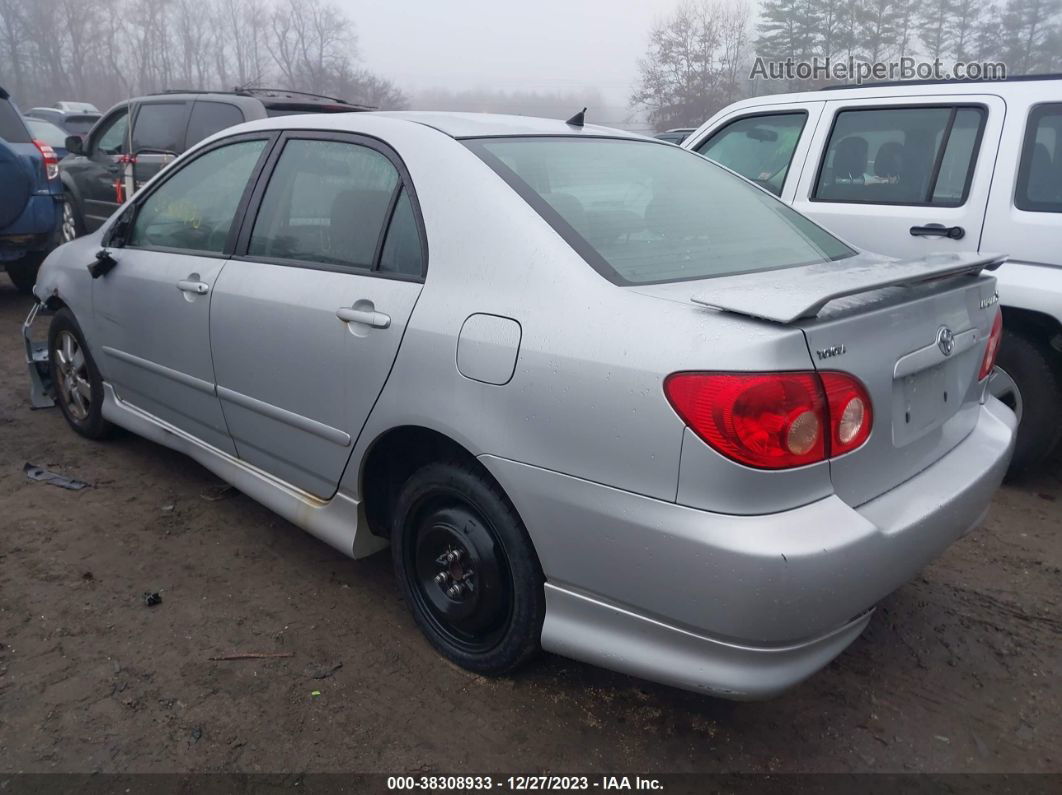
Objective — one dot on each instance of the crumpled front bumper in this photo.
(37, 360)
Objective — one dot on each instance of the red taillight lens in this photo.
(764, 420)
(851, 415)
(992, 350)
(773, 420)
(51, 162)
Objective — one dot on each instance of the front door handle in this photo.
(193, 286)
(367, 316)
(938, 230)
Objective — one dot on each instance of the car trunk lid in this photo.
(888, 323)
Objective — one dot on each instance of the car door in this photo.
(307, 318)
(158, 136)
(767, 145)
(904, 177)
(152, 308)
(98, 175)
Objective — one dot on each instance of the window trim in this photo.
(250, 216)
(1021, 200)
(129, 216)
(756, 115)
(937, 161)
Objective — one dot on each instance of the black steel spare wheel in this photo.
(462, 576)
(467, 568)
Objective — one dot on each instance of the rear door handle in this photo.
(938, 230)
(367, 317)
(193, 286)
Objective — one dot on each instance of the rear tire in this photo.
(72, 226)
(1034, 371)
(23, 271)
(76, 379)
(467, 569)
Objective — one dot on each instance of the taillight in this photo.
(51, 161)
(773, 420)
(992, 350)
(851, 415)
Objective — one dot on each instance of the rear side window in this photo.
(12, 129)
(193, 209)
(759, 148)
(644, 213)
(160, 127)
(326, 202)
(210, 117)
(908, 156)
(1039, 187)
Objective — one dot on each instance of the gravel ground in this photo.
(958, 670)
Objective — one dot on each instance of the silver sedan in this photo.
(599, 395)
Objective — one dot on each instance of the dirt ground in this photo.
(958, 671)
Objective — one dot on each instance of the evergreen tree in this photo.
(936, 26)
(1027, 33)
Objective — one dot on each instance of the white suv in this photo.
(907, 169)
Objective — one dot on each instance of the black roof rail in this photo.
(266, 95)
(949, 81)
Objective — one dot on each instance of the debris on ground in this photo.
(152, 599)
(315, 693)
(319, 671)
(253, 655)
(215, 493)
(34, 472)
(87, 576)
(197, 734)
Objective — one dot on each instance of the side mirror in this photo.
(74, 145)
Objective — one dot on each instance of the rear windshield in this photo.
(642, 212)
(79, 125)
(12, 129)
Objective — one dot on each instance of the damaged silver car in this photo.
(599, 395)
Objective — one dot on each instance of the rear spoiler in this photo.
(791, 294)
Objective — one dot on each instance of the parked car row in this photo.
(599, 394)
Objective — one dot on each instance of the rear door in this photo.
(306, 320)
(767, 145)
(903, 176)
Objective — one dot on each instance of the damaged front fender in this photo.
(40, 373)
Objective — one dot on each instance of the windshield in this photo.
(642, 212)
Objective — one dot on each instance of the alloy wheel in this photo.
(73, 386)
(69, 228)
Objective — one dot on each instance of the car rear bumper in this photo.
(740, 606)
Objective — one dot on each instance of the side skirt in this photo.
(339, 522)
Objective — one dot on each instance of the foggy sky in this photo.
(539, 45)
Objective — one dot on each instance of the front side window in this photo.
(915, 156)
(326, 202)
(642, 212)
(194, 209)
(160, 127)
(110, 139)
(759, 148)
(1039, 187)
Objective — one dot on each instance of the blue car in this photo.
(31, 202)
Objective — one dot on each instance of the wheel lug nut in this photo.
(441, 577)
(455, 590)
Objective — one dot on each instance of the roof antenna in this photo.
(578, 119)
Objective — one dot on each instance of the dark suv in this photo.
(30, 197)
(148, 132)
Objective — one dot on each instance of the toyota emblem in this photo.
(945, 340)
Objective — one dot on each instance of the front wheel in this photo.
(1029, 382)
(76, 379)
(467, 568)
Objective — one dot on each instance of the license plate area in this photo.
(923, 401)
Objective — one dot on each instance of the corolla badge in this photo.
(945, 340)
(987, 302)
